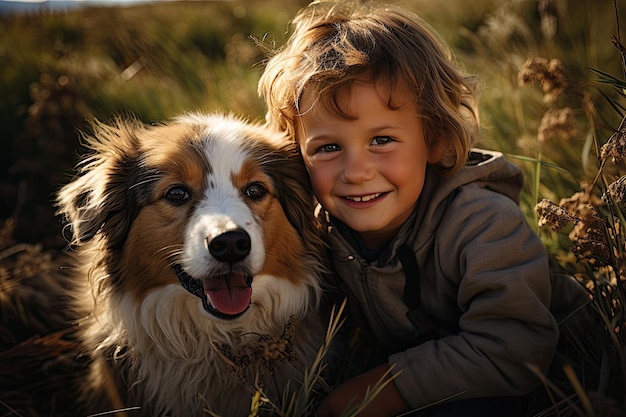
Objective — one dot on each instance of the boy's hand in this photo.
(388, 402)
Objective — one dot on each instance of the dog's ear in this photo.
(100, 199)
(296, 195)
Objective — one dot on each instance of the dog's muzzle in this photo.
(229, 295)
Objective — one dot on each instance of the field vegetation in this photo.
(553, 100)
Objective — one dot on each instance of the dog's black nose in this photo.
(231, 246)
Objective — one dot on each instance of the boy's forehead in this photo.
(338, 100)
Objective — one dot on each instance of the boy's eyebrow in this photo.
(373, 131)
(384, 127)
(315, 138)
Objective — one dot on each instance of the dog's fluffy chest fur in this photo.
(179, 369)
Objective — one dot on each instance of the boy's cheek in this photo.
(316, 178)
(320, 181)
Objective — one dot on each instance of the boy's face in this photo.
(368, 171)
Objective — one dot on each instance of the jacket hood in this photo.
(484, 169)
(487, 169)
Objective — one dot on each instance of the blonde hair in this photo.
(334, 43)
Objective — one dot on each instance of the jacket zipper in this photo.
(370, 302)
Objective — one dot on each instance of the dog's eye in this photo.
(177, 195)
(255, 191)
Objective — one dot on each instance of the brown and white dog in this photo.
(200, 255)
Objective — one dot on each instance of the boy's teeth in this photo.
(364, 198)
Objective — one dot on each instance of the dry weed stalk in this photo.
(594, 219)
(598, 244)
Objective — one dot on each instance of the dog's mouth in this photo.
(225, 296)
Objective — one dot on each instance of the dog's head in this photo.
(211, 203)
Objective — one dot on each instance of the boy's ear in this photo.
(435, 153)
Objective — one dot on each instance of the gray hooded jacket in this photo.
(474, 280)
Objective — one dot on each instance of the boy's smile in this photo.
(367, 166)
(365, 198)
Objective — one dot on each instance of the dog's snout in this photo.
(231, 246)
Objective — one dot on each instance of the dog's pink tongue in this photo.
(229, 294)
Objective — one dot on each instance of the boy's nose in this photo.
(357, 168)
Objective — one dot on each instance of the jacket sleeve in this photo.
(485, 249)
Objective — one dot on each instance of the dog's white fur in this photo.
(151, 343)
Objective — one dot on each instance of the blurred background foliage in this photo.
(155, 61)
(58, 70)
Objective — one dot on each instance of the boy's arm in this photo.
(388, 402)
(506, 330)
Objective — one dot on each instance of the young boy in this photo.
(427, 237)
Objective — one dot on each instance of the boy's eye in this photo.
(331, 147)
(381, 140)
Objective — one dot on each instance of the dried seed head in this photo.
(582, 204)
(557, 124)
(275, 350)
(615, 147)
(264, 355)
(615, 192)
(589, 242)
(552, 215)
(550, 75)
